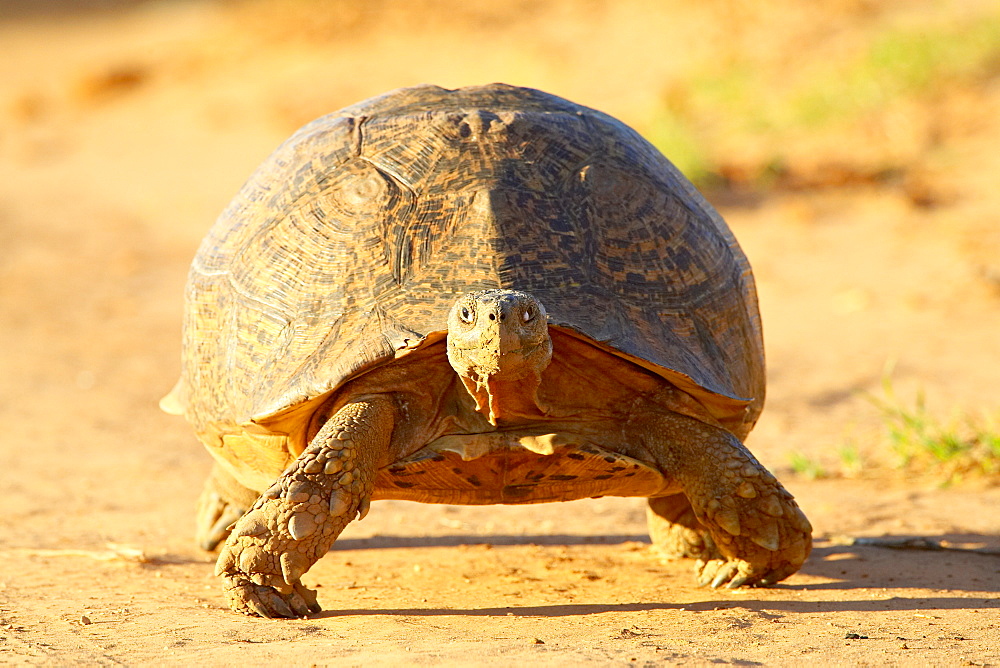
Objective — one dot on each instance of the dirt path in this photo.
(123, 133)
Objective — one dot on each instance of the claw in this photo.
(704, 572)
(277, 583)
(309, 596)
(268, 601)
(708, 571)
(738, 581)
(278, 606)
(725, 574)
(302, 608)
(363, 507)
(256, 608)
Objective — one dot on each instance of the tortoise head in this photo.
(499, 344)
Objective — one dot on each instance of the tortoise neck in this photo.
(503, 401)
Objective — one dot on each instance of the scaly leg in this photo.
(296, 520)
(754, 522)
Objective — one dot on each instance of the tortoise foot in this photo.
(264, 558)
(274, 544)
(762, 535)
(261, 600)
(752, 531)
(296, 520)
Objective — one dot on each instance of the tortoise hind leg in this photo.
(676, 532)
(296, 520)
(223, 501)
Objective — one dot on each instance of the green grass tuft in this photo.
(807, 467)
(737, 102)
(925, 445)
(896, 64)
(851, 461)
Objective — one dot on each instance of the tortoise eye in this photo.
(465, 314)
(528, 315)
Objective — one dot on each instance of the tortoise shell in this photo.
(348, 246)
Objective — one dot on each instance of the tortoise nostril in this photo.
(493, 316)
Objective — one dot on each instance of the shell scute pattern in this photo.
(356, 236)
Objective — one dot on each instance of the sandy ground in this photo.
(123, 132)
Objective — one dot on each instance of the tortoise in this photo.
(488, 295)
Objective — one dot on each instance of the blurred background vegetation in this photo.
(759, 93)
(766, 93)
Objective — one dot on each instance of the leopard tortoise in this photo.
(474, 296)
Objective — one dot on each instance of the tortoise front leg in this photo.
(296, 520)
(753, 521)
